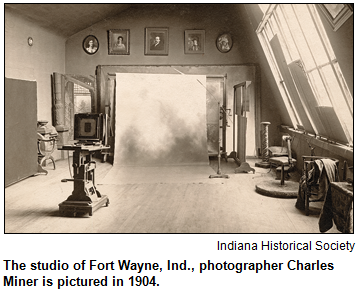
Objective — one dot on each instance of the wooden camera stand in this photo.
(85, 198)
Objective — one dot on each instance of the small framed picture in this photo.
(119, 42)
(224, 43)
(194, 41)
(156, 41)
(336, 14)
(90, 45)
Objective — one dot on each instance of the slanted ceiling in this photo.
(69, 19)
(66, 19)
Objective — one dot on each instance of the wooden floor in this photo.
(223, 206)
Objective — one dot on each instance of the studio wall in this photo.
(36, 62)
(214, 19)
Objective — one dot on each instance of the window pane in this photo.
(286, 33)
(311, 34)
(340, 106)
(269, 31)
(319, 88)
(82, 99)
(298, 36)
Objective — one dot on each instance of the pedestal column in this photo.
(265, 145)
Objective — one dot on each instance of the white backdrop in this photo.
(160, 120)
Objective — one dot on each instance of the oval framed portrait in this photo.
(90, 45)
(224, 43)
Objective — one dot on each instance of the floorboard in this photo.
(220, 206)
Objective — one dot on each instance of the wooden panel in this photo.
(20, 129)
(307, 95)
(289, 82)
(242, 136)
(331, 122)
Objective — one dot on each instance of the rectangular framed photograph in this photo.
(336, 14)
(194, 41)
(119, 42)
(156, 41)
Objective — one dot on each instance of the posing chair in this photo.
(318, 173)
(284, 160)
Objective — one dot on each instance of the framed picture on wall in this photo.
(156, 41)
(224, 43)
(336, 14)
(119, 42)
(194, 41)
(90, 44)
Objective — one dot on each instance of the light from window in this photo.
(82, 99)
(302, 38)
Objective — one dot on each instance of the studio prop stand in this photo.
(240, 108)
(219, 172)
(85, 198)
(265, 163)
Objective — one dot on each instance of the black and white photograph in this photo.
(156, 41)
(224, 43)
(194, 41)
(119, 42)
(209, 142)
(90, 45)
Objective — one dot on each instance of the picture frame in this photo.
(90, 44)
(224, 43)
(194, 41)
(119, 42)
(336, 14)
(156, 41)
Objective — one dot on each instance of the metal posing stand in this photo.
(219, 172)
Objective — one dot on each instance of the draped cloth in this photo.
(338, 208)
(324, 172)
(328, 173)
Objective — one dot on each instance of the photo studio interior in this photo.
(178, 118)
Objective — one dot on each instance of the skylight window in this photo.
(307, 71)
(263, 7)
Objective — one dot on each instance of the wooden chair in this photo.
(312, 184)
(283, 161)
